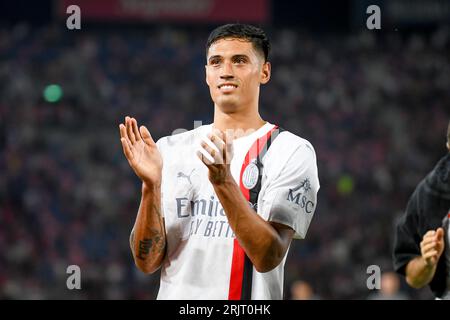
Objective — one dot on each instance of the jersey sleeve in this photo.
(291, 196)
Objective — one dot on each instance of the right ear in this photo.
(448, 146)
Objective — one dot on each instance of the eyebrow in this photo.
(233, 57)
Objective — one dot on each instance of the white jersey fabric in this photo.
(199, 240)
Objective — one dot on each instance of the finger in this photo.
(439, 234)
(428, 236)
(213, 142)
(146, 136)
(126, 149)
(123, 131)
(429, 233)
(224, 148)
(215, 155)
(208, 151)
(228, 154)
(217, 132)
(429, 246)
(130, 130)
(426, 242)
(430, 254)
(216, 137)
(217, 141)
(213, 151)
(135, 129)
(204, 158)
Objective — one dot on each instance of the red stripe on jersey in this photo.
(237, 264)
(237, 272)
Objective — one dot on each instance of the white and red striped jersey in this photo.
(277, 173)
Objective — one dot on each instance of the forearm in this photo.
(261, 241)
(148, 240)
(418, 273)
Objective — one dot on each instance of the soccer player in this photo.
(423, 232)
(221, 203)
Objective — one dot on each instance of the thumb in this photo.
(146, 136)
(439, 234)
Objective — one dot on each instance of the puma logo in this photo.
(188, 177)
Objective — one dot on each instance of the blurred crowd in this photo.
(374, 106)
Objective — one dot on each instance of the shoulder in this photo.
(290, 156)
(288, 145)
(437, 181)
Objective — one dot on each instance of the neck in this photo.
(243, 122)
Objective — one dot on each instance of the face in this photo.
(234, 72)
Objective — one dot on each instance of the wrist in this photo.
(150, 187)
(224, 182)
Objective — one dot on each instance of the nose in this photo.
(227, 71)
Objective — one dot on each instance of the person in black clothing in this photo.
(420, 238)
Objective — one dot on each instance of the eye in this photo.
(214, 62)
(240, 60)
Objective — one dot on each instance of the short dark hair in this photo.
(253, 34)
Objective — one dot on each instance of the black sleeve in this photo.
(407, 235)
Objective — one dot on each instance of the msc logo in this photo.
(298, 196)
